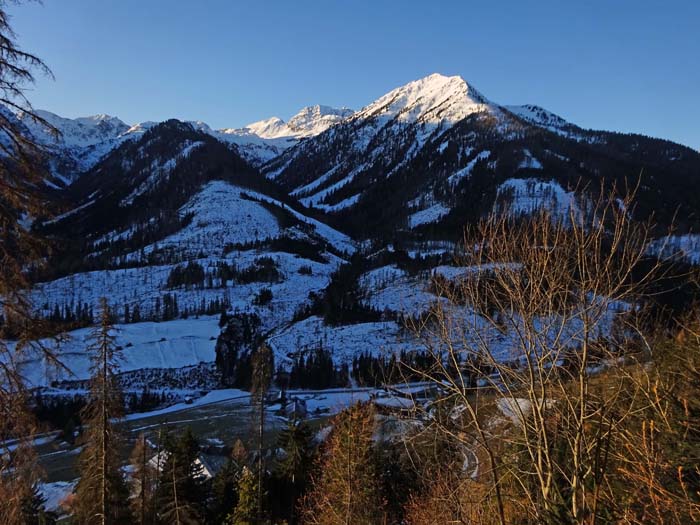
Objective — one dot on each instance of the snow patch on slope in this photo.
(170, 344)
(540, 117)
(685, 247)
(432, 214)
(456, 177)
(527, 196)
(161, 169)
(221, 216)
(344, 342)
(529, 162)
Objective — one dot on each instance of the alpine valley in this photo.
(319, 235)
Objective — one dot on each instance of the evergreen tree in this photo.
(294, 469)
(225, 490)
(34, 510)
(346, 489)
(262, 374)
(22, 177)
(246, 511)
(181, 495)
(101, 493)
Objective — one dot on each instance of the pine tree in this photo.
(246, 512)
(225, 490)
(346, 489)
(262, 374)
(181, 494)
(296, 439)
(101, 493)
(143, 482)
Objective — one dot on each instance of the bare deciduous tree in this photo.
(541, 307)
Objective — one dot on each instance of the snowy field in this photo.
(172, 344)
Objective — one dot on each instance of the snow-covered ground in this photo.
(528, 196)
(456, 177)
(55, 493)
(685, 247)
(432, 214)
(344, 342)
(529, 162)
(215, 396)
(171, 344)
(391, 289)
(221, 215)
(145, 285)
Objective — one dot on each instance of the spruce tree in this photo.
(294, 469)
(246, 511)
(101, 493)
(34, 510)
(181, 495)
(225, 490)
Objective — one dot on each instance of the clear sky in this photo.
(626, 65)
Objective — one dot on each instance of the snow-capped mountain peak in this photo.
(313, 120)
(271, 128)
(308, 122)
(433, 99)
(74, 133)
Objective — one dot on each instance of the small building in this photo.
(208, 464)
(296, 408)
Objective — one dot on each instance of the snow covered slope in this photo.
(80, 143)
(684, 247)
(337, 169)
(541, 117)
(172, 344)
(434, 100)
(308, 122)
(262, 141)
(528, 196)
(436, 150)
(387, 132)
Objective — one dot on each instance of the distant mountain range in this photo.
(82, 142)
(324, 227)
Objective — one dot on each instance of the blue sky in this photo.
(619, 65)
